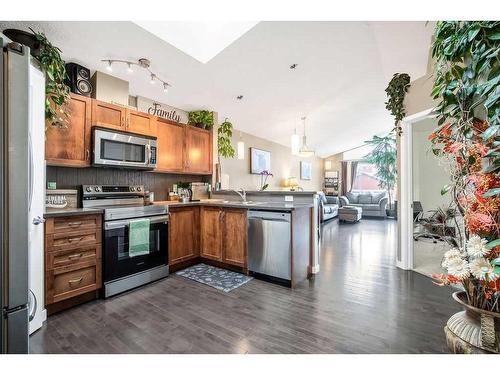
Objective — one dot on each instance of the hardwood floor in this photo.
(359, 303)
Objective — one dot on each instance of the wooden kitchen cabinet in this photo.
(70, 146)
(198, 150)
(108, 115)
(140, 123)
(224, 235)
(234, 236)
(211, 233)
(183, 240)
(171, 146)
(72, 256)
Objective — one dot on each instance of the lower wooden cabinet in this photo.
(224, 235)
(211, 233)
(72, 256)
(234, 237)
(183, 239)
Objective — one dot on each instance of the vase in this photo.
(473, 330)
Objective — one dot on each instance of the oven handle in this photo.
(123, 223)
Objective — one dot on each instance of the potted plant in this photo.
(51, 62)
(202, 119)
(224, 147)
(264, 175)
(466, 87)
(383, 156)
(396, 92)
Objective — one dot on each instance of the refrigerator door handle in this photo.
(30, 173)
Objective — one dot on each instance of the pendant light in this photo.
(304, 151)
(295, 142)
(241, 149)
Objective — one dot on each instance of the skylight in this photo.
(199, 39)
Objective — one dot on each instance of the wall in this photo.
(160, 183)
(283, 165)
(425, 189)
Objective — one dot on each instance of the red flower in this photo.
(432, 136)
(453, 147)
(446, 130)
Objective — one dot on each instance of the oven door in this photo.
(118, 263)
(125, 150)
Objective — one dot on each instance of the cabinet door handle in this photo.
(74, 281)
(75, 256)
(123, 122)
(75, 224)
(87, 154)
(77, 239)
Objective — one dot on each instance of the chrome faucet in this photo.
(242, 193)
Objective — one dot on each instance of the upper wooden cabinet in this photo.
(171, 146)
(198, 150)
(234, 236)
(183, 239)
(70, 146)
(140, 123)
(211, 233)
(181, 148)
(108, 115)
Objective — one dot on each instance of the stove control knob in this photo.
(88, 189)
(97, 188)
(132, 188)
(138, 188)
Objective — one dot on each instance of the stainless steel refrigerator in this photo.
(22, 100)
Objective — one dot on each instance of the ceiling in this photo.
(343, 69)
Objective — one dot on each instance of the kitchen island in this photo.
(215, 231)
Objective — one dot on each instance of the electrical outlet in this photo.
(288, 198)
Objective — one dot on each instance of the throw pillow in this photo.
(365, 198)
(353, 198)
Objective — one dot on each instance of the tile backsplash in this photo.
(159, 183)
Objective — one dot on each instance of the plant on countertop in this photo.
(467, 87)
(383, 156)
(396, 91)
(263, 179)
(56, 91)
(202, 119)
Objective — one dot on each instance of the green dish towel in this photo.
(138, 237)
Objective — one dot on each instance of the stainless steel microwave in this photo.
(123, 150)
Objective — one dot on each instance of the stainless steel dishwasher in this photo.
(269, 243)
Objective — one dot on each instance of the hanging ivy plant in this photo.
(396, 91)
(56, 91)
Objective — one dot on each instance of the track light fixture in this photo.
(142, 63)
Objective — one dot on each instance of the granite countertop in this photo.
(54, 212)
(254, 205)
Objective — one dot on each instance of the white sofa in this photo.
(373, 203)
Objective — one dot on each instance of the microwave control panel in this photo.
(152, 160)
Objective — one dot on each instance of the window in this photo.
(365, 177)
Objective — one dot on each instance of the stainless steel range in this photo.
(122, 269)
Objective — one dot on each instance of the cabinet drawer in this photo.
(72, 223)
(72, 240)
(67, 282)
(71, 257)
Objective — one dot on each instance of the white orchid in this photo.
(476, 247)
(458, 267)
(482, 270)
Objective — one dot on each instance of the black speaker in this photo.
(78, 79)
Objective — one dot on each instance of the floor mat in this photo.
(215, 277)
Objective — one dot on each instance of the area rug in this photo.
(215, 277)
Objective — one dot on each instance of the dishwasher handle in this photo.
(269, 219)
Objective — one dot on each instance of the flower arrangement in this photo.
(466, 85)
(263, 179)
